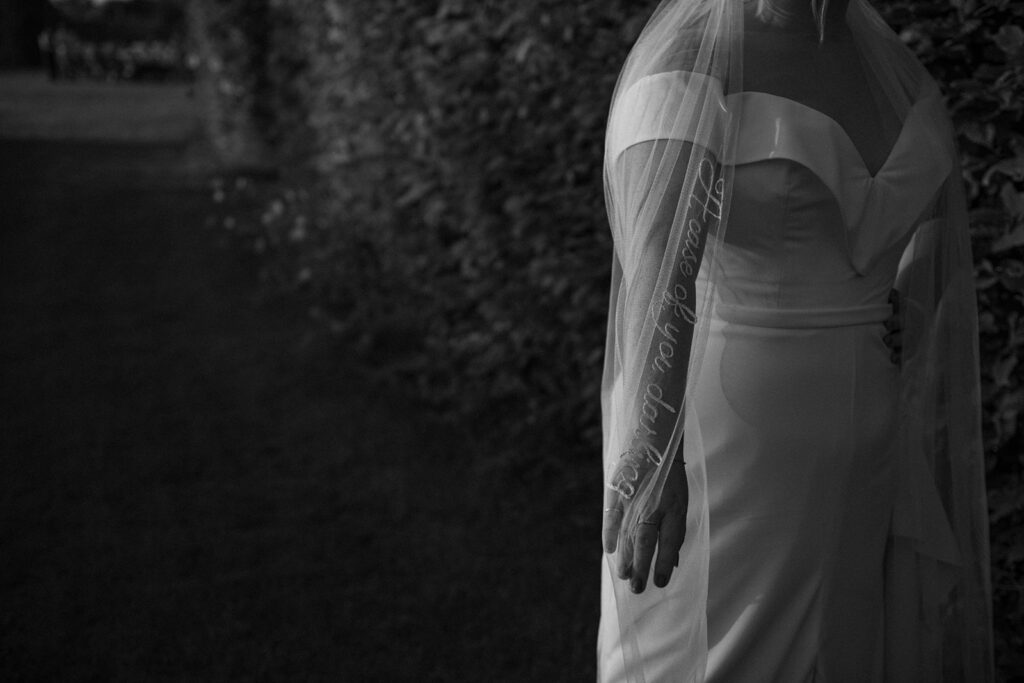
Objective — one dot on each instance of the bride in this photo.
(773, 170)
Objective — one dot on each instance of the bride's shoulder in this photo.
(682, 53)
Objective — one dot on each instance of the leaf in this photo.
(1004, 503)
(980, 134)
(1011, 167)
(414, 193)
(1012, 200)
(1010, 39)
(1011, 274)
(1011, 240)
(523, 50)
(1002, 370)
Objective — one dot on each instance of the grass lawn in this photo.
(196, 486)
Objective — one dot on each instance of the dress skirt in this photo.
(797, 420)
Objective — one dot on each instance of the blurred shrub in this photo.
(451, 155)
(75, 58)
(441, 203)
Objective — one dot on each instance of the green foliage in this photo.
(441, 198)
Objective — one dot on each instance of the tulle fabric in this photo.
(670, 140)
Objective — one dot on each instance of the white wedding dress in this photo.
(796, 410)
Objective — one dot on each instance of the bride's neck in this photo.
(796, 16)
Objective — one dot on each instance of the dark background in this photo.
(301, 322)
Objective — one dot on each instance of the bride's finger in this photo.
(643, 554)
(673, 532)
(613, 514)
(894, 301)
(624, 565)
(893, 339)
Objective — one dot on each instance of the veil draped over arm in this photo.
(665, 180)
(668, 185)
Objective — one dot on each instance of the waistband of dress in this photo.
(803, 317)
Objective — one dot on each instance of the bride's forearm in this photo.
(663, 377)
(671, 315)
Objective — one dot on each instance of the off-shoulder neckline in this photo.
(843, 136)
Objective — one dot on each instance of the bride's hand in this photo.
(894, 332)
(663, 529)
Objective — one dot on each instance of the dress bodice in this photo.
(785, 246)
(810, 228)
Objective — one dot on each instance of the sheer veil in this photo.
(668, 183)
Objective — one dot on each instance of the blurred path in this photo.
(195, 487)
(33, 107)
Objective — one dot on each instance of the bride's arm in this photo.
(670, 306)
(913, 288)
